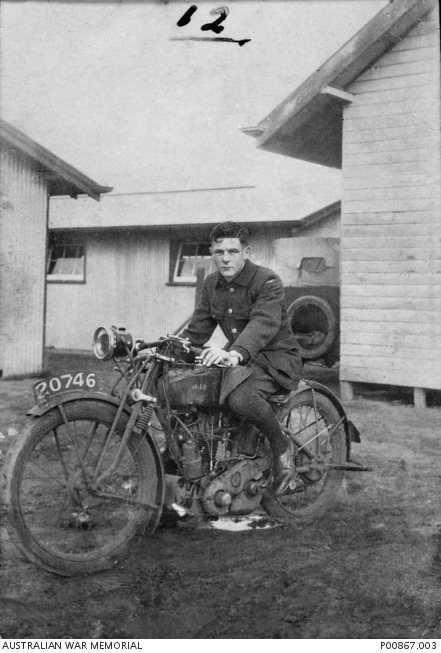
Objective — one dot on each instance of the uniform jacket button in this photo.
(230, 310)
(233, 330)
(231, 289)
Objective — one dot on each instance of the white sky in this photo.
(104, 87)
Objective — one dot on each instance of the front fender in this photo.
(72, 395)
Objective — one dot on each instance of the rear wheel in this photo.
(319, 441)
(56, 515)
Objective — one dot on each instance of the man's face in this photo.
(229, 256)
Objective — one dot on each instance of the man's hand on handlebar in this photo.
(217, 356)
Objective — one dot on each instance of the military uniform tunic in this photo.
(251, 311)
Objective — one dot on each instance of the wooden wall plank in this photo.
(390, 181)
(394, 279)
(392, 363)
(429, 305)
(404, 290)
(391, 243)
(407, 377)
(415, 144)
(361, 123)
(394, 83)
(406, 268)
(385, 315)
(425, 191)
(406, 105)
(425, 355)
(402, 217)
(418, 130)
(399, 68)
(378, 206)
(416, 92)
(409, 256)
(389, 329)
(387, 231)
(384, 158)
(413, 340)
(389, 169)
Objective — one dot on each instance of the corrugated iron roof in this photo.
(63, 179)
(202, 207)
(317, 216)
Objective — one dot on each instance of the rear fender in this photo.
(352, 433)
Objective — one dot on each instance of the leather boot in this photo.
(284, 470)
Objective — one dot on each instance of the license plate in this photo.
(64, 382)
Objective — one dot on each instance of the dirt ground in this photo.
(371, 569)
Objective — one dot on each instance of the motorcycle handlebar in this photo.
(197, 351)
(141, 344)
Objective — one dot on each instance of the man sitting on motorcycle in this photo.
(247, 301)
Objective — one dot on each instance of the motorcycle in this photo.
(95, 468)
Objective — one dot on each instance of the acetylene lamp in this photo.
(111, 342)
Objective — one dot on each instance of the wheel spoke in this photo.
(57, 516)
(316, 429)
(46, 473)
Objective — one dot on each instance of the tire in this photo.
(316, 489)
(314, 323)
(53, 518)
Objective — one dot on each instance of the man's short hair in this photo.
(230, 230)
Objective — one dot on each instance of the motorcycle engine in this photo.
(229, 484)
(238, 490)
(206, 439)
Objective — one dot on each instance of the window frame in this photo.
(175, 258)
(64, 240)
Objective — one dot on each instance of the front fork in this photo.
(139, 418)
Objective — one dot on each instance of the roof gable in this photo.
(308, 124)
(62, 178)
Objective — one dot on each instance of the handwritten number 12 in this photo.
(215, 26)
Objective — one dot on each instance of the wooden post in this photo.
(346, 391)
(419, 398)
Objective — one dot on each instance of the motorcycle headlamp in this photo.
(111, 342)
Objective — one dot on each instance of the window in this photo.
(313, 271)
(191, 256)
(313, 264)
(65, 261)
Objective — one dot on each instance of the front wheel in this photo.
(318, 441)
(58, 517)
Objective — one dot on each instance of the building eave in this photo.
(62, 178)
(322, 214)
(308, 124)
